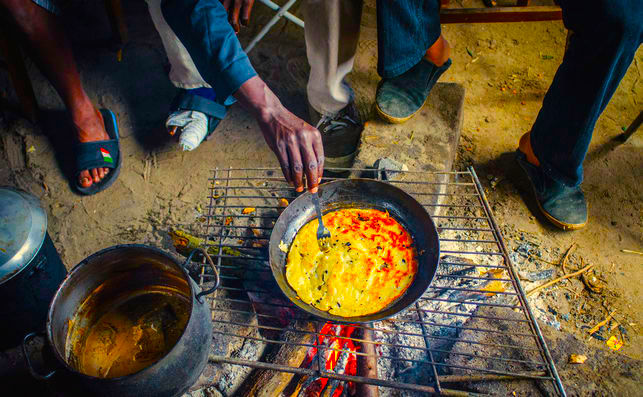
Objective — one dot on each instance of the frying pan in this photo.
(359, 193)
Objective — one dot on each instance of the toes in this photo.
(106, 171)
(95, 177)
(101, 173)
(85, 179)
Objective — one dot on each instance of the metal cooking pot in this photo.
(30, 268)
(359, 193)
(117, 274)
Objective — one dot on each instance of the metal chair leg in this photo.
(117, 21)
(281, 12)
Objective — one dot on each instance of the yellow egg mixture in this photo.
(371, 263)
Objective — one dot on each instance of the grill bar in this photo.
(521, 293)
(452, 331)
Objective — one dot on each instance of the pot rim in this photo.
(74, 270)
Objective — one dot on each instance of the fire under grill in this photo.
(472, 324)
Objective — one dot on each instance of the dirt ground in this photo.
(505, 69)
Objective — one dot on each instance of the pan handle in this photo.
(33, 372)
(214, 268)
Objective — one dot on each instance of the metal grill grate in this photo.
(472, 324)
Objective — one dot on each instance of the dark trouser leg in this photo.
(203, 28)
(606, 35)
(405, 29)
(51, 51)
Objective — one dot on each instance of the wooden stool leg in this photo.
(18, 75)
(116, 19)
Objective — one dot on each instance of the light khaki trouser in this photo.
(331, 31)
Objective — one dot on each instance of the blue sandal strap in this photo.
(187, 101)
(98, 154)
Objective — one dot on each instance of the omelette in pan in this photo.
(372, 262)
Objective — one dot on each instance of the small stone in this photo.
(389, 167)
(538, 276)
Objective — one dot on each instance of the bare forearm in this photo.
(258, 99)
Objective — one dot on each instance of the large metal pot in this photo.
(30, 268)
(120, 274)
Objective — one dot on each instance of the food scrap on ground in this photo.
(577, 358)
(614, 343)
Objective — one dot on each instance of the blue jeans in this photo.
(405, 30)
(606, 35)
(202, 27)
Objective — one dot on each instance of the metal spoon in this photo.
(323, 234)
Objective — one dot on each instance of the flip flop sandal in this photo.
(215, 112)
(100, 154)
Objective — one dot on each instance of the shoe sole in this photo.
(558, 223)
(397, 120)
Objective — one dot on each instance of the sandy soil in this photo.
(505, 69)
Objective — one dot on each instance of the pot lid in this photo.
(23, 225)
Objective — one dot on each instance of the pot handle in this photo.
(26, 354)
(214, 268)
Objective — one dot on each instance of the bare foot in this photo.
(439, 52)
(90, 127)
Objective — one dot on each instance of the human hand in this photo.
(297, 144)
(298, 147)
(236, 8)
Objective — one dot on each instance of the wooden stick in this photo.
(569, 251)
(597, 326)
(554, 281)
(270, 383)
(367, 364)
(632, 252)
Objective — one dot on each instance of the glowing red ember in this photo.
(336, 350)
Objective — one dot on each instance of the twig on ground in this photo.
(632, 252)
(599, 325)
(564, 261)
(572, 291)
(554, 281)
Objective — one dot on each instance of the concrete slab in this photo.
(427, 142)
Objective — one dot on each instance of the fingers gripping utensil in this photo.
(323, 234)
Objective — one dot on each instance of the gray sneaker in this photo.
(340, 135)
